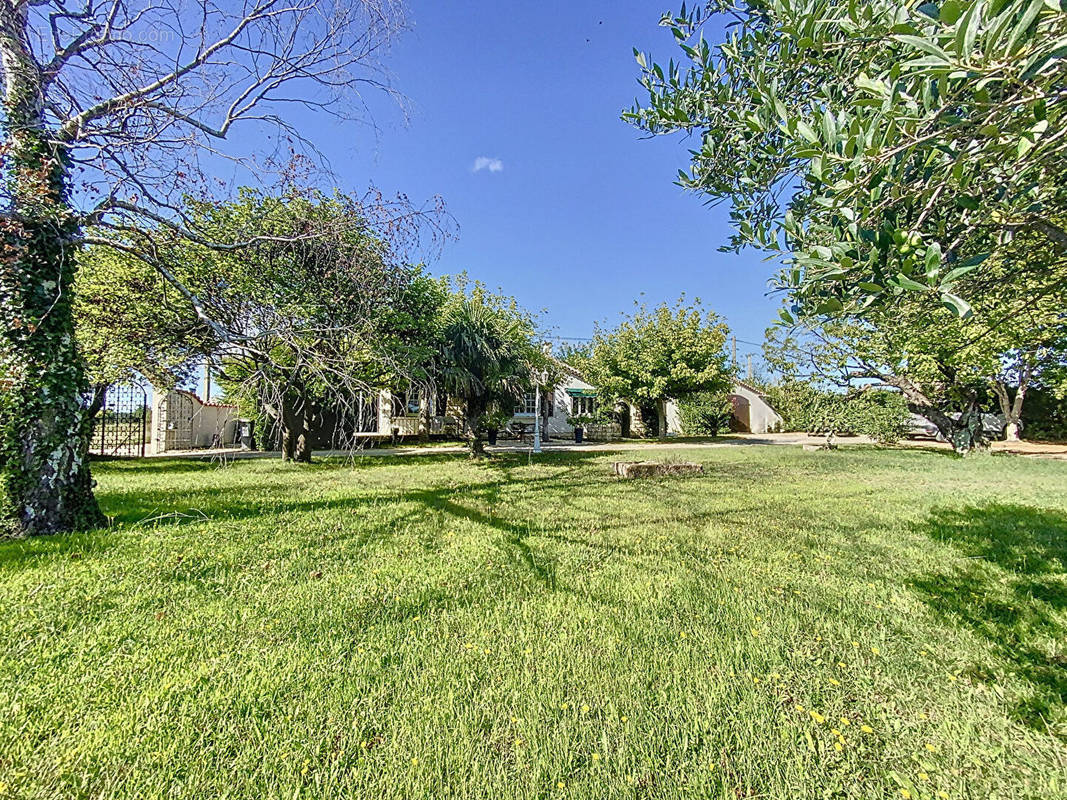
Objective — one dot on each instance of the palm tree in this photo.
(487, 355)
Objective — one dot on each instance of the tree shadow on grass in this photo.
(1010, 589)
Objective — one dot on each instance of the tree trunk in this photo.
(296, 432)
(45, 423)
(476, 407)
(1012, 409)
(965, 434)
(661, 419)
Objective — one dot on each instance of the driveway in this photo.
(1028, 449)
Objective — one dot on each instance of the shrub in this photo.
(704, 413)
(882, 415)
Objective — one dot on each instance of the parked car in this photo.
(922, 428)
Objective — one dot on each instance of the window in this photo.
(529, 403)
(406, 404)
(581, 406)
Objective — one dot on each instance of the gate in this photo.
(121, 427)
(174, 428)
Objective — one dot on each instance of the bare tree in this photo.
(111, 111)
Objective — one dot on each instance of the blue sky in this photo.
(571, 211)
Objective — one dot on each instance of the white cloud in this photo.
(485, 162)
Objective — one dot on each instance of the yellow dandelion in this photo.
(562, 706)
(923, 715)
(815, 715)
(623, 719)
(838, 747)
(561, 785)
(414, 762)
(800, 708)
(943, 795)
(585, 709)
(875, 650)
(755, 632)
(866, 729)
(905, 794)
(518, 742)
(842, 664)
(923, 776)
(931, 748)
(755, 680)
(596, 756)
(776, 676)
(834, 682)
(835, 731)
(855, 644)
(844, 721)
(682, 634)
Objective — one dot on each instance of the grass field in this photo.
(857, 624)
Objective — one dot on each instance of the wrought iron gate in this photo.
(121, 427)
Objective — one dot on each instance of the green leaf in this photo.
(957, 304)
(904, 282)
(948, 13)
(1024, 23)
(805, 130)
(925, 45)
(974, 261)
(968, 29)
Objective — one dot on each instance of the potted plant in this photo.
(495, 419)
(579, 422)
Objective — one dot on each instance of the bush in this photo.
(704, 413)
(882, 415)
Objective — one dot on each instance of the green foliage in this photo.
(660, 353)
(411, 619)
(487, 353)
(130, 322)
(704, 413)
(881, 415)
(887, 147)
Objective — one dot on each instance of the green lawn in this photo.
(857, 623)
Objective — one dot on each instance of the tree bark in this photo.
(1012, 408)
(476, 407)
(45, 423)
(661, 419)
(296, 432)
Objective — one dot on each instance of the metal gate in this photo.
(121, 427)
(174, 428)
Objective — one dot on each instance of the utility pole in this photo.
(207, 381)
(735, 354)
(748, 372)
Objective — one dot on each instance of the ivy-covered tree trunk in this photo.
(45, 422)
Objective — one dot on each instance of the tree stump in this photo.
(652, 469)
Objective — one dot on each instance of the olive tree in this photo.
(882, 148)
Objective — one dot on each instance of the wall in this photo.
(752, 413)
(761, 417)
(182, 421)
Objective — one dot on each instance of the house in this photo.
(751, 412)
(572, 396)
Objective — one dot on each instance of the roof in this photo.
(750, 387)
(195, 396)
